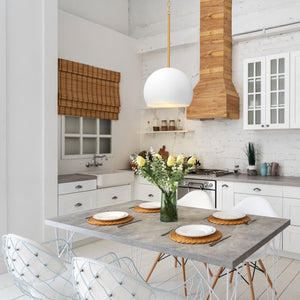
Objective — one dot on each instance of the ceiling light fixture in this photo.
(168, 87)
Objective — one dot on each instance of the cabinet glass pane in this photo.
(274, 99)
(251, 70)
(89, 126)
(250, 101)
(250, 117)
(72, 146)
(257, 100)
(273, 83)
(89, 145)
(257, 117)
(258, 68)
(273, 116)
(72, 124)
(257, 85)
(281, 65)
(105, 145)
(281, 82)
(105, 126)
(281, 98)
(281, 116)
(273, 66)
(250, 86)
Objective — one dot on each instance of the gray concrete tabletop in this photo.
(244, 240)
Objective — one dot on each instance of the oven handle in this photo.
(190, 185)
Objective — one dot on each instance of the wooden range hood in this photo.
(215, 95)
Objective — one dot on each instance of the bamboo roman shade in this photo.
(87, 91)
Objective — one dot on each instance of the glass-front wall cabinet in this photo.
(83, 137)
(266, 102)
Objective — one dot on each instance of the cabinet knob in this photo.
(78, 187)
(78, 204)
(262, 125)
(257, 189)
(224, 186)
(151, 195)
(268, 125)
(114, 197)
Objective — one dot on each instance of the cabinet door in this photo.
(147, 192)
(254, 93)
(225, 198)
(113, 195)
(295, 90)
(291, 239)
(291, 210)
(277, 91)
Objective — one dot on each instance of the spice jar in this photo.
(164, 125)
(179, 124)
(172, 125)
(148, 127)
(155, 124)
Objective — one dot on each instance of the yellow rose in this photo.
(192, 160)
(158, 156)
(179, 159)
(171, 161)
(140, 161)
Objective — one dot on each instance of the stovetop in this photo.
(215, 172)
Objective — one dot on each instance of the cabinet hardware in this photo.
(262, 125)
(224, 185)
(114, 197)
(257, 189)
(78, 187)
(78, 204)
(268, 125)
(150, 195)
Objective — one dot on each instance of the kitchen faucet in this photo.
(94, 162)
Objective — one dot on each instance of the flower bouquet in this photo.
(166, 174)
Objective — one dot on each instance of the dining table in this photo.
(148, 233)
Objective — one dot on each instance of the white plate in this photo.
(195, 230)
(229, 215)
(110, 215)
(150, 205)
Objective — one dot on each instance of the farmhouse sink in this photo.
(111, 178)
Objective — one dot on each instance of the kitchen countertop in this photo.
(273, 180)
(75, 177)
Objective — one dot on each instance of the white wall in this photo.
(86, 42)
(109, 13)
(31, 119)
(220, 143)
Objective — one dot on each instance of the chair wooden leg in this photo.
(153, 267)
(175, 261)
(215, 282)
(209, 270)
(183, 275)
(231, 275)
(250, 281)
(266, 274)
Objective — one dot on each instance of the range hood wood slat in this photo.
(215, 95)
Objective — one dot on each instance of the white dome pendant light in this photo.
(168, 87)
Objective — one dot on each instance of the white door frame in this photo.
(3, 160)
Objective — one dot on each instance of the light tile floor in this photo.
(288, 285)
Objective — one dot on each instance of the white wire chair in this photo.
(120, 280)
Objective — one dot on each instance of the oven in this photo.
(192, 184)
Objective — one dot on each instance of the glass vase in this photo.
(168, 210)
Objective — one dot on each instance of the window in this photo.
(82, 137)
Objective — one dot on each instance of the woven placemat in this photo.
(104, 223)
(212, 219)
(144, 210)
(195, 240)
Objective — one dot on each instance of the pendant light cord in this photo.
(169, 14)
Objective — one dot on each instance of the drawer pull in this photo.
(257, 190)
(78, 187)
(224, 185)
(114, 197)
(151, 195)
(78, 204)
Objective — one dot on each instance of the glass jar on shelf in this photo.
(164, 125)
(172, 125)
(155, 125)
(148, 127)
(179, 124)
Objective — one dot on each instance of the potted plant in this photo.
(250, 152)
(166, 174)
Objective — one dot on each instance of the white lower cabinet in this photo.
(147, 192)
(225, 195)
(113, 195)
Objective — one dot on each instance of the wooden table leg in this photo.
(183, 275)
(215, 282)
(266, 274)
(153, 267)
(231, 275)
(209, 270)
(250, 281)
(175, 261)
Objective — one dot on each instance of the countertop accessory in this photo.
(251, 155)
(195, 230)
(220, 240)
(214, 220)
(263, 169)
(195, 240)
(150, 205)
(145, 210)
(128, 223)
(274, 169)
(106, 223)
(110, 215)
(228, 215)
